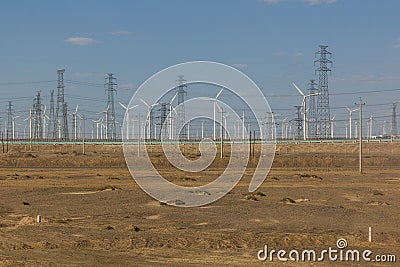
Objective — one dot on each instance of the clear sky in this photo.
(272, 41)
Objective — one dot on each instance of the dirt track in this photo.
(94, 214)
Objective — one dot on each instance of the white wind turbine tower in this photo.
(105, 112)
(356, 130)
(171, 123)
(149, 120)
(98, 122)
(304, 104)
(30, 123)
(44, 122)
(350, 119)
(13, 126)
(284, 128)
(127, 109)
(333, 123)
(215, 106)
(384, 129)
(74, 123)
(371, 119)
(225, 123)
(272, 123)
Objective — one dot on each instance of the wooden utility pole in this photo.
(361, 138)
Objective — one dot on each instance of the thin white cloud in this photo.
(240, 65)
(121, 33)
(310, 2)
(396, 46)
(298, 54)
(79, 40)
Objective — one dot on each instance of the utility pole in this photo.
(111, 83)
(361, 137)
(83, 135)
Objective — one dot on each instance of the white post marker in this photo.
(39, 218)
(370, 234)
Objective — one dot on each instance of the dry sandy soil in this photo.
(94, 214)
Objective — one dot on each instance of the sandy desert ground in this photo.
(94, 214)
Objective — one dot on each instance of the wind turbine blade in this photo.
(144, 102)
(172, 100)
(298, 89)
(122, 105)
(134, 107)
(313, 94)
(219, 93)
(348, 108)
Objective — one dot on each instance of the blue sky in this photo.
(272, 41)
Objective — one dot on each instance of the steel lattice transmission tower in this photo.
(65, 136)
(50, 130)
(299, 123)
(37, 117)
(312, 110)
(60, 128)
(393, 126)
(181, 107)
(111, 85)
(10, 118)
(323, 110)
(163, 120)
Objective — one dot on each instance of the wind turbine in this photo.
(304, 104)
(371, 119)
(171, 126)
(384, 129)
(106, 112)
(44, 122)
(13, 126)
(149, 117)
(350, 119)
(98, 122)
(127, 109)
(356, 129)
(30, 123)
(215, 105)
(74, 122)
(225, 122)
(333, 123)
